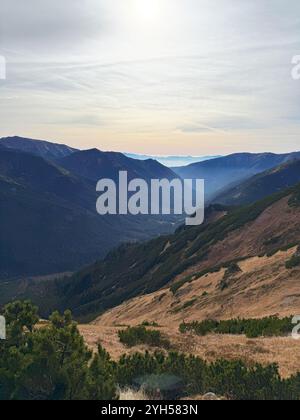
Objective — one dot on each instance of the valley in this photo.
(49, 222)
(149, 203)
(126, 272)
(259, 230)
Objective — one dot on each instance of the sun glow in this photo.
(147, 10)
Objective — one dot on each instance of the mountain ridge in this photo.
(261, 185)
(133, 270)
(42, 148)
(94, 164)
(232, 169)
(174, 258)
(49, 222)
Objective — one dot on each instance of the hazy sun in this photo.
(146, 10)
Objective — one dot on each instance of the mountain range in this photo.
(49, 225)
(222, 172)
(173, 161)
(94, 164)
(45, 149)
(172, 263)
(262, 185)
(231, 236)
(48, 214)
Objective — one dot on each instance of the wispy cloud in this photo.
(216, 69)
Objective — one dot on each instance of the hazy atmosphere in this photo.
(154, 77)
(149, 203)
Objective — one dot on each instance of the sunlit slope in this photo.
(262, 228)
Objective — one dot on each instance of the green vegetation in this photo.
(179, 284)
(134, 336)
(223, 285)
(232, 270)
(252, 328)
(90, 291)
(128, 271)
(281, 248)
(193, 376)
(293, 262)
(295, 199)
(272, 241)
(186, 305)
(55, 209)
(189, 279)
(52, 362)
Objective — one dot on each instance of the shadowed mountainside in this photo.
(94, 165)
(49, 222)
(262, 185)
(134, 270)
(220, 173)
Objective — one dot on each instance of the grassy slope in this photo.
(145, 268)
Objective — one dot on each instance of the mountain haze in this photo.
(173, 161)
(260, 229)
(50, 225)
(221, 172)
(262, 185)
(228, 236)
(94, 164)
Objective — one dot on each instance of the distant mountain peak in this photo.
(233, 169)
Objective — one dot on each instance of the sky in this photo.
(167, 77)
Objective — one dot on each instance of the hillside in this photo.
(47, 150)
(94, 165)
(263, 287)
(262, 185)
(43, 176)
(49, 222)
(133, 270)
(221, 172)
(259, 229)
(283, 351)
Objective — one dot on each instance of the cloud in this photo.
(225, 125)
(49, 26)
(209, 66)
(85, 120)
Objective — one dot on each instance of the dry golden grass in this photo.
(283, 351)
(264, 287)
(131, 395)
